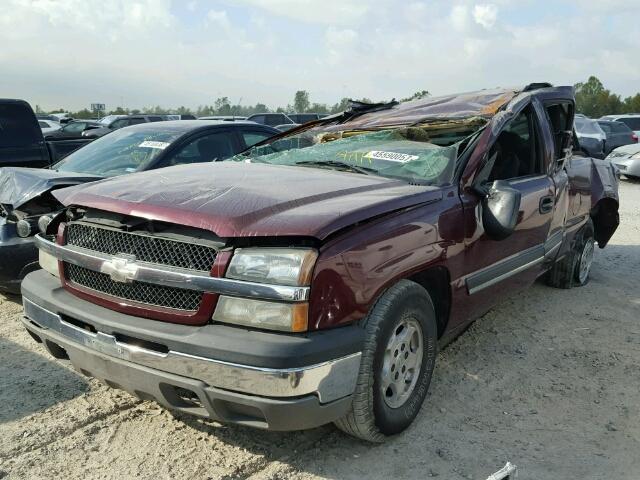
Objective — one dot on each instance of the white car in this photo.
(627, 160)
(48, 126)
(631, 120)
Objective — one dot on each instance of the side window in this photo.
(606, 127)
(210, 148)
(273, 120)
(155, 119)
(560, 115)
(75, 127)
(136, 121)
(619, 127)
(252, 137)
(516, 152)
(43, 125)
(120, 123)
(258, 119)
(632, 122)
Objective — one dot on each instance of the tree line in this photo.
(223, 106)
(595, 101)
(592, 100)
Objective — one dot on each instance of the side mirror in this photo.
(500, 208)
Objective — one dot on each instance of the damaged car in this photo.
(27, 203)
(314, 278)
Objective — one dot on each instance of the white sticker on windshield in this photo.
(390, 156)
(151, 144)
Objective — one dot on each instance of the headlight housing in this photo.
(269, 265)
(49, 263)
(280, 266)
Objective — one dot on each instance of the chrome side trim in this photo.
(173, 276)
(503, 269)
(329, 380)
(505, 275)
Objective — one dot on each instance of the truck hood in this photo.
(235, 199)
(19, 185)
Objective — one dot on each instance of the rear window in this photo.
(274, 120)
(18, 126)
(587, 126)
(632, 122)
(619, 127)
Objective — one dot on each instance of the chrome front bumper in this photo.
(328, 381)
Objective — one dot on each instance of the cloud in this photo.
(459, 17)
(328, 12)
(485, 15)
(148, 52)
(219, 18)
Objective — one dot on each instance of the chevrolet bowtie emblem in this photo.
(121, 268)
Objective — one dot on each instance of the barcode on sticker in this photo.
(390, 156)
(151, 144)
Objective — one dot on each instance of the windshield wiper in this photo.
(339, 166)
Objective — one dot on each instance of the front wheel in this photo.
(397, 363)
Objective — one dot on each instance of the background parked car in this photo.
(110, 118)
(74, 129)
(225, 118)
(590, 136)
(22, 143)
(43, 116)
(48, 126)
(627, 160)
(304, 117)
(186, 116)
(618, 134)
(631, 120)
(126, 121)
(271, 119)
(287, 126)
(25, 193)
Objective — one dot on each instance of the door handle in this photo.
(546, 204)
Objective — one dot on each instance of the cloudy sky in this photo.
(160, 52)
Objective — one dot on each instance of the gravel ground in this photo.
(548, 380)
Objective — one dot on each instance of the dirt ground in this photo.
(549, 380)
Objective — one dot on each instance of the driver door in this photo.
(495, 268)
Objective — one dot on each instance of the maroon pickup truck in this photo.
(313, 278)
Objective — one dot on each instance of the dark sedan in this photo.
(618, 134)
(26, 203)
(74, 129)
(123, 122)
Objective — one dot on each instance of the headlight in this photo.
(43, 223)
(26, 228)
(281, 266)
(287, 317)
(49, 263)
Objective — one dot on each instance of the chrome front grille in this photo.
(139, 292)
(145, 247)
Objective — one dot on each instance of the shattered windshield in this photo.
(404, 153)
(119, 152)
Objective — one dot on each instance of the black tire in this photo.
(565, 273)
(370, 417)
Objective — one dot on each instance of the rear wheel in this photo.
(397, 363)
(574, 268)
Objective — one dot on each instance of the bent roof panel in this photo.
(483, 103)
